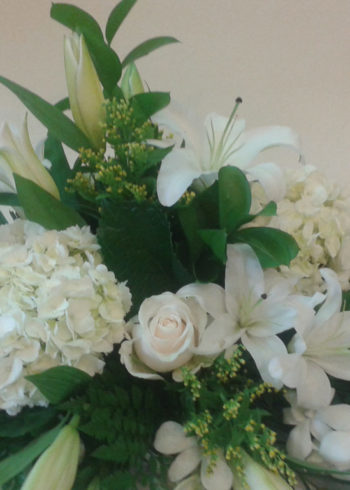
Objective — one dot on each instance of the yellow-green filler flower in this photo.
(84, 89)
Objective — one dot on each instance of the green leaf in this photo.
(269, 210)
(116, 18)
(63, 104)
(76, 19)
(216, 241)
(43, 208)
(58, 383)
(273, 247)
(9, 199)
(3, 220)
(14, 464)
(28, 421)
(106, 61)
(234, 197)
(147, 104)
(136, 245)
(147, 47)
(60, 169)
(50, 116)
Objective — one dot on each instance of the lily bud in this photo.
(17, 155)
(131, 83)
(57, 466)
(84, 89)
(257, 477)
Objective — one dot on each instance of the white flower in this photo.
(58, 306)
(84, 89)
(321, 345)
(223, 142)
(325, 432)
(171, 439)
(316, 212)
(163, 336)
(17, 155)
(254, 307)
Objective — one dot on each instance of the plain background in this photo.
(288, 59)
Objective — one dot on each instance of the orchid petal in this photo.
(177, 171)
(335, 449)
(220, 477)
(171, 438)
(183, 465)
(336, 416)
(257, 140)
(289, 368)
(299, 443)
(271, 179)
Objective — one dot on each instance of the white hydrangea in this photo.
(316, 212)
(59, 305)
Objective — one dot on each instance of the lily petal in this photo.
(218, 336)
(335, 448)
(333, 301)
(257, 140)
(178, 170)
(299, 443)
(210, 296)
(271, 178)
(336, 416)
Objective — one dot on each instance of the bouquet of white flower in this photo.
(168, 307)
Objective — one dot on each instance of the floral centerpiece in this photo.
(172, 314)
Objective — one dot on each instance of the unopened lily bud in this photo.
(84, 89)
(57, 466)
(131, 83)
(17, 155)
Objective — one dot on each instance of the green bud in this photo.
(131, 83)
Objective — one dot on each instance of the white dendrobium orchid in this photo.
(325, 431)
(17, 156)
(171, 439)
(84, 89)
(254, 307)
(321, 345)
(224, 142)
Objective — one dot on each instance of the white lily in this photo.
(171, 439)
(224, 142)
(84, 89)
(255, 306)
(131, 83)
(17, 155)
(321, 345)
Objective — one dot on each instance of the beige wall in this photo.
(288, 59)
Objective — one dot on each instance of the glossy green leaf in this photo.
(147, 47)
(273, 247)
(58, 383)
(147, 104)
(9, 199)
(269, 210)
(29, 421)
(43, 208)
(216, 241)
(234, 198)
(50, 116)
(63, 104)
(60, 169)
(106, 61)
(116, 18)
(76, 19)
(150, 265)
(14, 464)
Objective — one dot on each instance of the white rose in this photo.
(167, 329)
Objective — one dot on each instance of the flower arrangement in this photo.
(172, 314)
